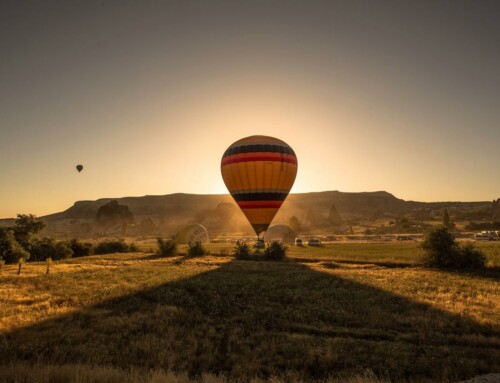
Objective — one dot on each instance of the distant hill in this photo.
(164, 215)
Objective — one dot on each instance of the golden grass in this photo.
(330, 312)
(79, 373)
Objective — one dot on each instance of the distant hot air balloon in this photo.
(79, 168)
(259, 172)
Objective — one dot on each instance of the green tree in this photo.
(10, 250)
(441, 250)
(42, 249)
(446, 219)
(26, 226)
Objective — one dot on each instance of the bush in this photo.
(197, 248)
(441, 250)
(81, 249)
(62, 251)
(44, 248)
(114, 246)
(166, 247)
(472, 258)
(275, 252)
(241, 251)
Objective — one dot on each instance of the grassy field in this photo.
(332, 312)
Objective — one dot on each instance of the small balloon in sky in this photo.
(79, 168)
(259, 172)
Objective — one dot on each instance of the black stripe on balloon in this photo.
(259, 197)
(252, 148)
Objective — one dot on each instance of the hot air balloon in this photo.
(259, 172)
(79, 168)
(193, 233)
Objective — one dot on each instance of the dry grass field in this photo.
(335, 312)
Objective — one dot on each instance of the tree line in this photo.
(19, 243)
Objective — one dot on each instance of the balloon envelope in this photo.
(193, 233)
(259, 172)
(79, 168)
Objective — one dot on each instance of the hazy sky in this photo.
(402, 96)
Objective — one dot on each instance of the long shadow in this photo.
(264, 318)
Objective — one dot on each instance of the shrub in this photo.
(275, 252)
(197, 248)
(114, 246)
(44, 248)
(132, 248)
(81, 249)
(167, 247)
(62, 251)
(472, 258)
(441, 250)
(241, 251)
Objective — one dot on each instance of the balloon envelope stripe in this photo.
(259, 196)
(253, 148)
(259, 204)
(259, 157)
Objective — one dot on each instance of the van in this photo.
(314, 242)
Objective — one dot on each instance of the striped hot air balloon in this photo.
(259, 172)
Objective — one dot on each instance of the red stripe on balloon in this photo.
(247, 157)
(260, 204)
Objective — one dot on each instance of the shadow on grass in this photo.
(250, 319)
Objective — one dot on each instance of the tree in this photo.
(495, 210)
(294, 224)
(446, 219)
(25, 227)
(440, 247)
(28, 223)
(441, 250)
(10, 250)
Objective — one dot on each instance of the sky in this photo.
(402, 96)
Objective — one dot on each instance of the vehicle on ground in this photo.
(404, 237)
(313, 242)
(259, 244)
(485, 236)
(298, 242)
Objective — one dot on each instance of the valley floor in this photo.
(332, 312)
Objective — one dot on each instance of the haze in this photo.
(400, 96)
